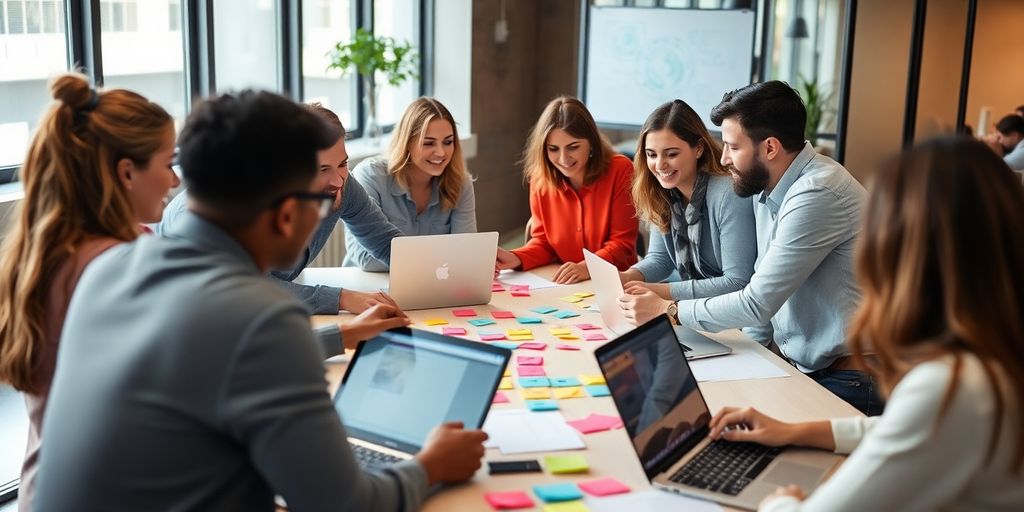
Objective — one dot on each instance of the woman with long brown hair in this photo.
(98, 166)
(939, 262)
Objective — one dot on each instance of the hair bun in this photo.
(71, 89)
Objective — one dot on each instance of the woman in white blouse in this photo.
(939, 262)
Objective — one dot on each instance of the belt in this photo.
(849, 363)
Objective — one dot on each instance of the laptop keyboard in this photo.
(371, 459)
(726, 467)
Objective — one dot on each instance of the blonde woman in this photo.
(422, 186)
(98, 166)
(699, 226)
(579, 196)
(939, 260)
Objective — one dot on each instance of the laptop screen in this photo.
(400, 385)
(654, 390)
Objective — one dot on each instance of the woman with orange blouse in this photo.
(579, 196)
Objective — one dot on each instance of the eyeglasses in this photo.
(325, 200)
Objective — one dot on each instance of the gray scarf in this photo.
(686, 217)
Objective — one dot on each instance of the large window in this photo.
(398, 19)
(247, 53)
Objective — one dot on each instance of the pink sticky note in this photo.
(492, 337)
(500, 398)
(503, 314)
(497, 287)
(596, 423)
(529, 360)
(603, 487)
(588, 327)
(594, 337)
(508, 500)
(453, 331)
(464, 312)
(566, 346)
(531, 371)
(519, 287)
(520, 294)
(533, 345)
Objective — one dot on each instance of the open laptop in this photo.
(667, 419)
(404, 382)
(608, 288)
(439, 271)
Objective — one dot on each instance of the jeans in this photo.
(857, 388)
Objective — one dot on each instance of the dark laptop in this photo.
(667, 419)
(405, 382)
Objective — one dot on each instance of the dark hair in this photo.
(1019, 109)
(765, 109)
(240, 152)
(1011, 123)
(327, 115)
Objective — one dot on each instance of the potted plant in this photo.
(369, 55)
(816, 100)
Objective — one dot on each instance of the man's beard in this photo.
(754, 181)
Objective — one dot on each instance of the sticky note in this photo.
(480, 322)
(603, 487)
(566, 346)
(535, 393)
(569, 337)
(596, 423)
(519, 332)
(519, 287)
(499, 398)
(464, 312)
(594, 337)
(522, 337)
(598, 390)
(493, 337)
(503, 314)
(566, 506)
(588, 327)
(528, 320)
(570, 392)
(583, 295)
(542, 405)
(533, 346)
(508, 372)
(564, 382)
(531, 371)
(508, 500)
(572, 299)
(589, 380)
(558, 492)
(529, 360)
(543, 310)
(563, 314)
(520, 294)
(534, 382)
(510, 345)
(506, 383)
(565, 464)
(561, 331)
(453, 331)
(436, 321)
(497, 287)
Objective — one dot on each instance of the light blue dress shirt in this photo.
(803, 278)
(400, 209)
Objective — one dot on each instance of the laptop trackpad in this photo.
(785, 473)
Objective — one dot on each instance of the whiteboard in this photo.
(638, 58)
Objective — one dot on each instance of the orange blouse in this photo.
(599, 217)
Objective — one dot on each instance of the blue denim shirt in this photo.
(400, 209)
(803, 277)
(363, 220)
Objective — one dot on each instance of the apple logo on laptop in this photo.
(442, 272)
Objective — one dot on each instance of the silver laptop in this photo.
(404, 382)
(667, 419)
(440, 271)
(608, 289)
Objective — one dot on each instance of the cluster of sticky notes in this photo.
(566, 464)
(596, 423)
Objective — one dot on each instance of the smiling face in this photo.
(150, 184)
(333, 172)
(568, 154)
(432, 155)
(671, 160)
(740, 155)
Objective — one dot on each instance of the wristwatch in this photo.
(673, 312)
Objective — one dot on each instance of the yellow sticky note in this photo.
(436, 321)
(569, 337)
(506, 383)
(535, 393)
(583, 295)
(525, 337)
(508, 372)
(563, 464)
(566, 506)
(519, 332)
(571, 299)
(590, 380)
(570, 392)
(561, 331)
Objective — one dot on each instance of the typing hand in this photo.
(357, 302)
(369, 323)
(749, 424)
(507, 260)
(640, 304)
(451, 453)
(571, 272)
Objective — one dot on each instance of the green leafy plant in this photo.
(369, 54)
(816, 100)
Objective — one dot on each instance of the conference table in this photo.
(608, 453)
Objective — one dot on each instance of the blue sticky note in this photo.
(562, 315)
(564, 382)
(558, 492)
(528, 320)
(506, 344)
(542, 405)
(480, 322)
(598, 390)
(534, 382)
(544, 310)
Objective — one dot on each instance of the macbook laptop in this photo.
(608, 289)
(667, 419)
(404, 382)
(440, 271)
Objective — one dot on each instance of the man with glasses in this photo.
(191, 381)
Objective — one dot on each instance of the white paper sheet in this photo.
(524, 431)
(742, 364)
(510, 277)
(649, 500)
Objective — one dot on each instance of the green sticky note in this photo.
(562, 464)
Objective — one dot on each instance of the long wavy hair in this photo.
(72, 192)
(411, 129)
(571, 116)
(651, 199)
(940, 261)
